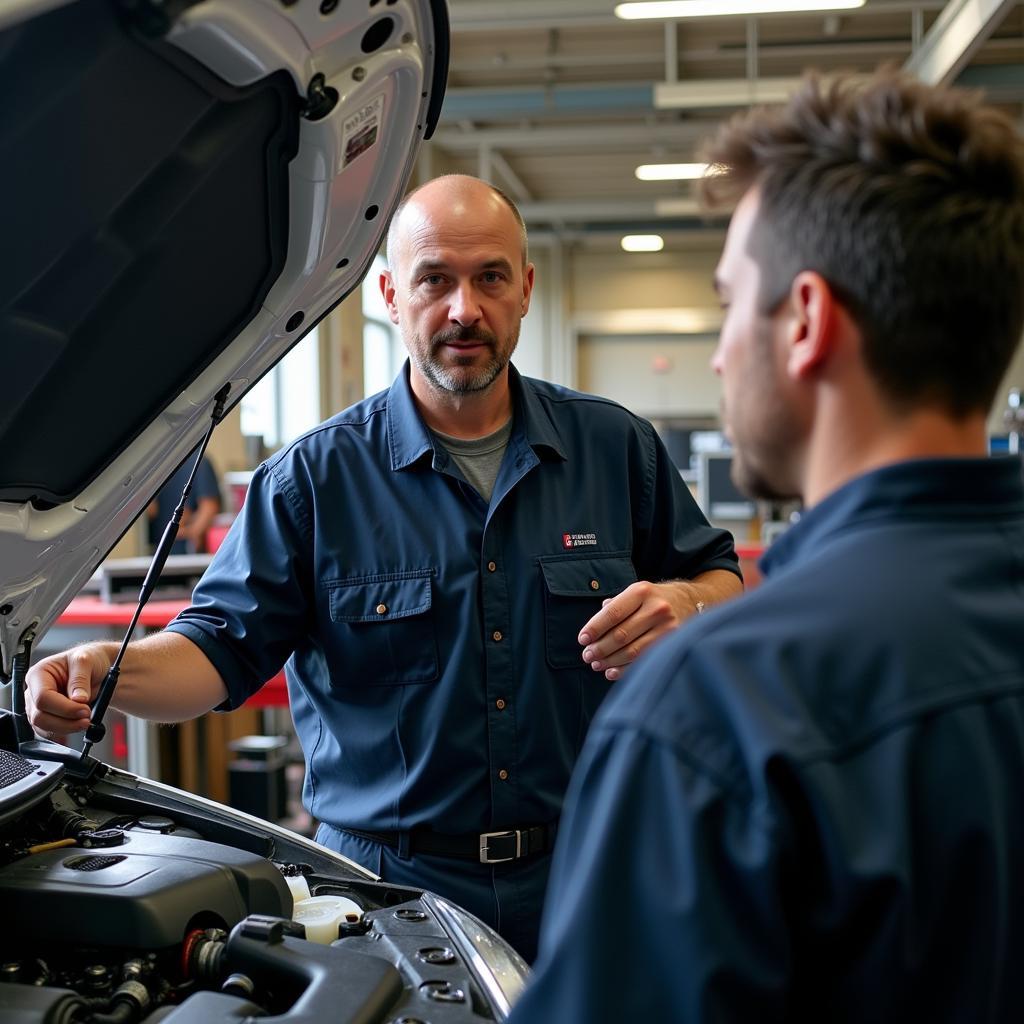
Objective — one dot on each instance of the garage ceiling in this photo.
(557, 101)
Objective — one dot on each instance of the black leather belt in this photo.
(486, 847)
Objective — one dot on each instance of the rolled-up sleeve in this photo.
(252, 606)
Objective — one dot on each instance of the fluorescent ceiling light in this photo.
(723, 92)
(721, 8)
(671, 172)
(643, 243)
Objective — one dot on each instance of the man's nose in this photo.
(716, 359)
(464, 308)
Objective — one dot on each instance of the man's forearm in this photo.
(167, 678)
(709, 588)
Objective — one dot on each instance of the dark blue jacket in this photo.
(808, 805)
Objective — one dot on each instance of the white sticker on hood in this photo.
(361, 129)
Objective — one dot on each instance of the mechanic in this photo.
(456, 570)
(806, 806)
(201, 508)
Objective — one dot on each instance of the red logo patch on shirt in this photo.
(579, 540)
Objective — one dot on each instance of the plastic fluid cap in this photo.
(321, 916)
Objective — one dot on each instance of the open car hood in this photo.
(187, 187)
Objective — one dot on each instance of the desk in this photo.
(198, 761)
(88, 610)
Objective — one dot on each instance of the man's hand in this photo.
(165, 677)
(60, 688)
(630, 622)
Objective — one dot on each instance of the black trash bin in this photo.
(256, 777)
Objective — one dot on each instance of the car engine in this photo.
(129, 901)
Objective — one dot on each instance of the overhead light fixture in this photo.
(643, 243)
(721, 8)
(723, 92)
(671, 172)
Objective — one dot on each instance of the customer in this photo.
(807, 806)
(426, 563)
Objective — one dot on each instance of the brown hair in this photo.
(909, 200)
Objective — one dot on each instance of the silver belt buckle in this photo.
(486, 858)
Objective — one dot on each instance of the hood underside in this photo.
(187, 189)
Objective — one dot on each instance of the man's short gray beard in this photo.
(458, 384)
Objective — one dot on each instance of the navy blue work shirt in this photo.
(434, 671)
(807, 804)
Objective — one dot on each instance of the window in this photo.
(286, 402)
(383, 350)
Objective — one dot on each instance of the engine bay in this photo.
(128, 901)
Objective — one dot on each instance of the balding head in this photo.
(457, 286)
(451, 196)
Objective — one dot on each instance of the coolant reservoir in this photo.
(298, 886)
(321, 916)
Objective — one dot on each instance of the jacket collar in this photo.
(920, 488)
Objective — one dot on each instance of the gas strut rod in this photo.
(97, 730)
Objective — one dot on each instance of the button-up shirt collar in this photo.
(905, 489)
(409, 439)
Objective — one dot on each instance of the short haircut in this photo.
(390, 244)
(908, 199)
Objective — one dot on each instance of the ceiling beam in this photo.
(573, 138)
(865, 49)
(485, 16)
(519, 101)
(519, 191)
(959, 31)
(502, 103)
(575, 211)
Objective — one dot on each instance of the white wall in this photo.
(654, 376)
(533, 354)
(611, 279)
(630, 366)
(646, 325)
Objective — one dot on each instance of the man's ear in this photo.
(528, 271)
(812, 328)
(387, 289)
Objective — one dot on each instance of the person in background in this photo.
(456, 571)
(201, 509)
(806, 805)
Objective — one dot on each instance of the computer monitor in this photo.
(677, 442)
(718, 495)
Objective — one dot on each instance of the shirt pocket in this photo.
(385, 628)
(574, 588)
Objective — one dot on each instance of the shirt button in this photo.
(503, 775)
(499, 704)
(491, 566)
(496, 635)
(594, 585)
(381, 608)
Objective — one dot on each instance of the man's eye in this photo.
(433, 280)
(491, 277)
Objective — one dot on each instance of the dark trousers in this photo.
(506, 896)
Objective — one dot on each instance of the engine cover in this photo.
(145, 893)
